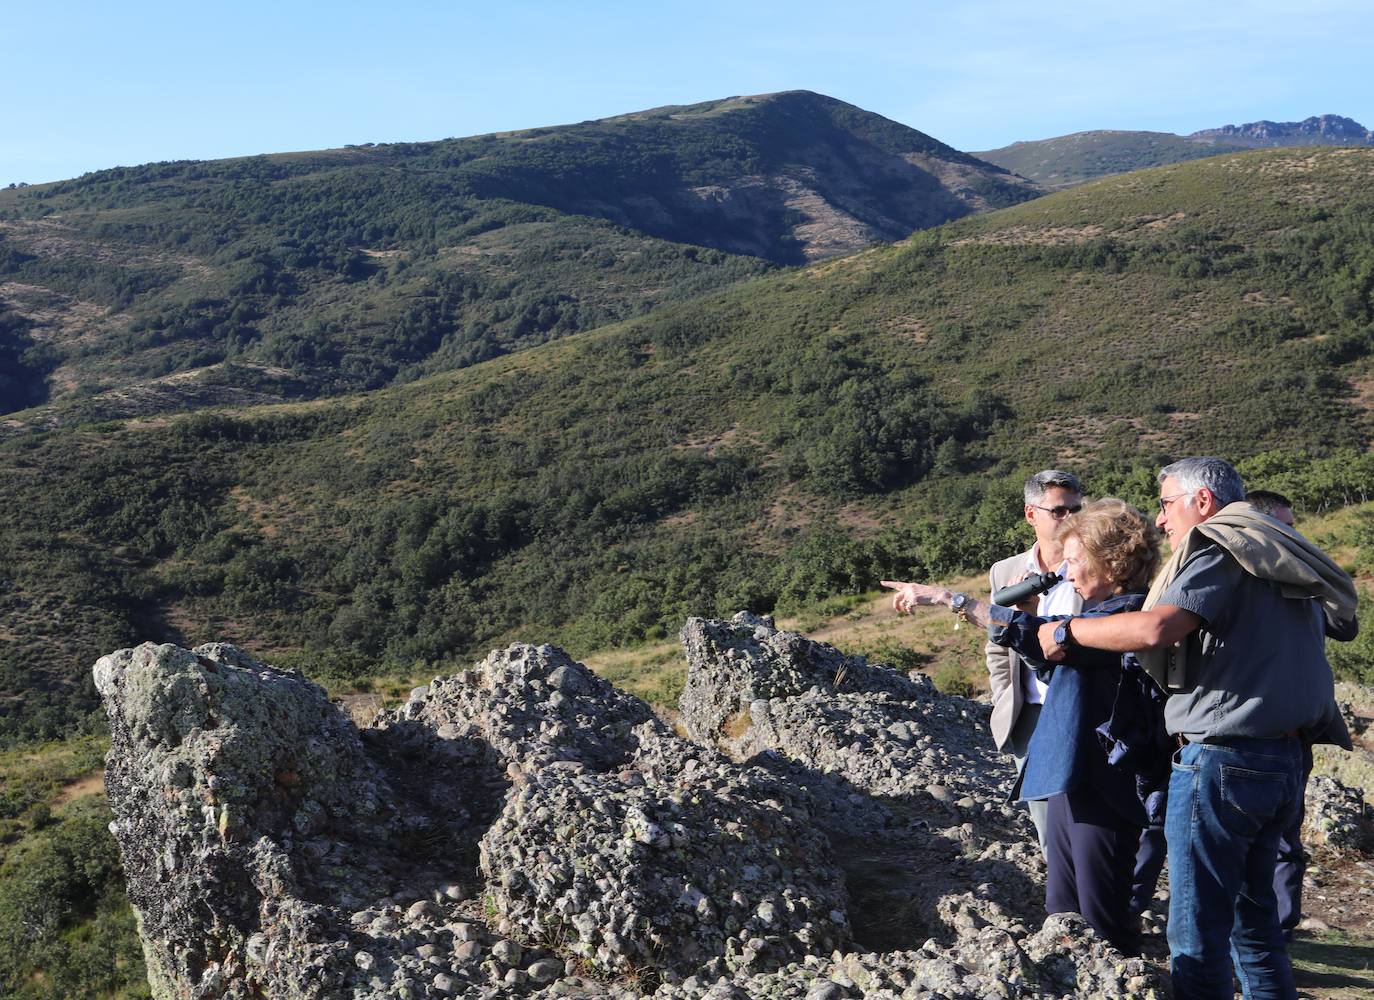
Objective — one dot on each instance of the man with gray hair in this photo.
(1017, 691)
(1234, 629)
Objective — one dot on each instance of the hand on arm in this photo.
(1162, 625)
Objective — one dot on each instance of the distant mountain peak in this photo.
(1065, 160)
(1334, 130)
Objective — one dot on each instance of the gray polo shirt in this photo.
(1262, 670)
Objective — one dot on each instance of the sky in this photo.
(89, 85)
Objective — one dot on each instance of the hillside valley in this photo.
(176, 286)
(433, 425)
(788, 438)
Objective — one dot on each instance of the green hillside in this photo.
(787, 438)
(1067, 160)
(181, 285)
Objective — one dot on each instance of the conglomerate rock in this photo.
(230, 782)
(522, 828)
(625, 844)
(907, 785)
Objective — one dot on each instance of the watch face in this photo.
(1061, 635)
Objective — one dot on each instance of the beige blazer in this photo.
(1004, 666)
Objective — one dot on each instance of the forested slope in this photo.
(176, 286)
(789, 437)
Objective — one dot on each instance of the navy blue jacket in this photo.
(1066, 750)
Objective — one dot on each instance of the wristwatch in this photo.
(1063, 635)
(957, 604)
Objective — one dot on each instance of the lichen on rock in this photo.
(523, 828)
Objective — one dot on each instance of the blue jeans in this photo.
(1228, 803)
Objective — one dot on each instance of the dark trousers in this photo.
(1149, 862)
(1292, 863)
(1090, 857)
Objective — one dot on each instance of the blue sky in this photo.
(91, 85)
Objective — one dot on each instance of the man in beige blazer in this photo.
(1017, 693)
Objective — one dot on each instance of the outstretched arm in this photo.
(910, 596)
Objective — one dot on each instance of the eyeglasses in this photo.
(1060, 512)
(1165, 501)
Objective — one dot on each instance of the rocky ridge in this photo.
(1318, 130)
(831, 829)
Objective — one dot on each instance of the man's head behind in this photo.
(1276, 505)
(1193, 489)
(1050, 497)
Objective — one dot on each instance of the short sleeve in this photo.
(1206, 585)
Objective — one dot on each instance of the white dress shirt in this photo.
(1061, 599)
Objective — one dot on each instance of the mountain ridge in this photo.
(1318, 130)
(351, 269)
(1065, 160)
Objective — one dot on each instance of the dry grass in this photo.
(735, 726)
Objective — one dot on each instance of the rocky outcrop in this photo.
(524, 828)
(241, 798)
(905, 782)
(629, 847)
(1319, 130)
(1336, 814)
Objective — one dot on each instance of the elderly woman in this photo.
(1096, 807)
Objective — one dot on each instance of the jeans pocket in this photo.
(1251, 798)
(1176, 762)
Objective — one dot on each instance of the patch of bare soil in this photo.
(55, 316)
(90, 784)
(910, 329)
(712, 443)
(1162, 221)
(1259, 298)
(1046, 235)
(1363, 393)
(52, 238)
(1338, 891)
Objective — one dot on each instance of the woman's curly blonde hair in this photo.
(1119, 542)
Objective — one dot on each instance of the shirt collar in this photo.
(1033, 560)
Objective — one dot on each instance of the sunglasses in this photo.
(1060, 512)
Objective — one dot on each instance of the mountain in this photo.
(1067, 160)
(1326, 130)
(1072, 159)
(772, 443)
(181, 285)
